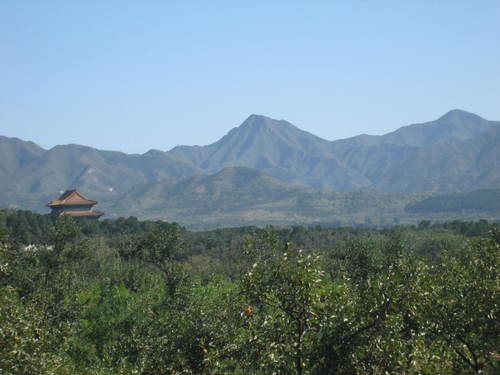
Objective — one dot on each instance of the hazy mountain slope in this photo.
(231, 188)
(455, 125)
(103, 174)
(256, 137)
(441, 155)
(277, 148)
(478, 200)
(284, 151)
(238, 195)
(15, 154)
(447, 167)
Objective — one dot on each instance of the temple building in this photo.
(74, 204)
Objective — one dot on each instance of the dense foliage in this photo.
(131, 297)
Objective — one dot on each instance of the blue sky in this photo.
(135, 75)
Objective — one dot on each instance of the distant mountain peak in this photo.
(154, 152)
(458, 114)
(255, 116)
(258, 121)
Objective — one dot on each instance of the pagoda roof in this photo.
(86, 213)
(71, 198)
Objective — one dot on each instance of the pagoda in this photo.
(74, 204)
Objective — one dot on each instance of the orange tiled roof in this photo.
(71, 198)
(82, 213)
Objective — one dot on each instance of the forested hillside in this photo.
(132, 297)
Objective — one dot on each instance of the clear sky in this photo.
(135, 75)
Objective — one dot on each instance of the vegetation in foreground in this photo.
(131, 297)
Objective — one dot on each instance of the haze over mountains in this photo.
(460, 151)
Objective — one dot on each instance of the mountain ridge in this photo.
(300, 157)
(457, 152)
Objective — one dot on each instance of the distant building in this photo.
(74, 204)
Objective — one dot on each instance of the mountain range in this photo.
(261, 162)
(456, 152)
